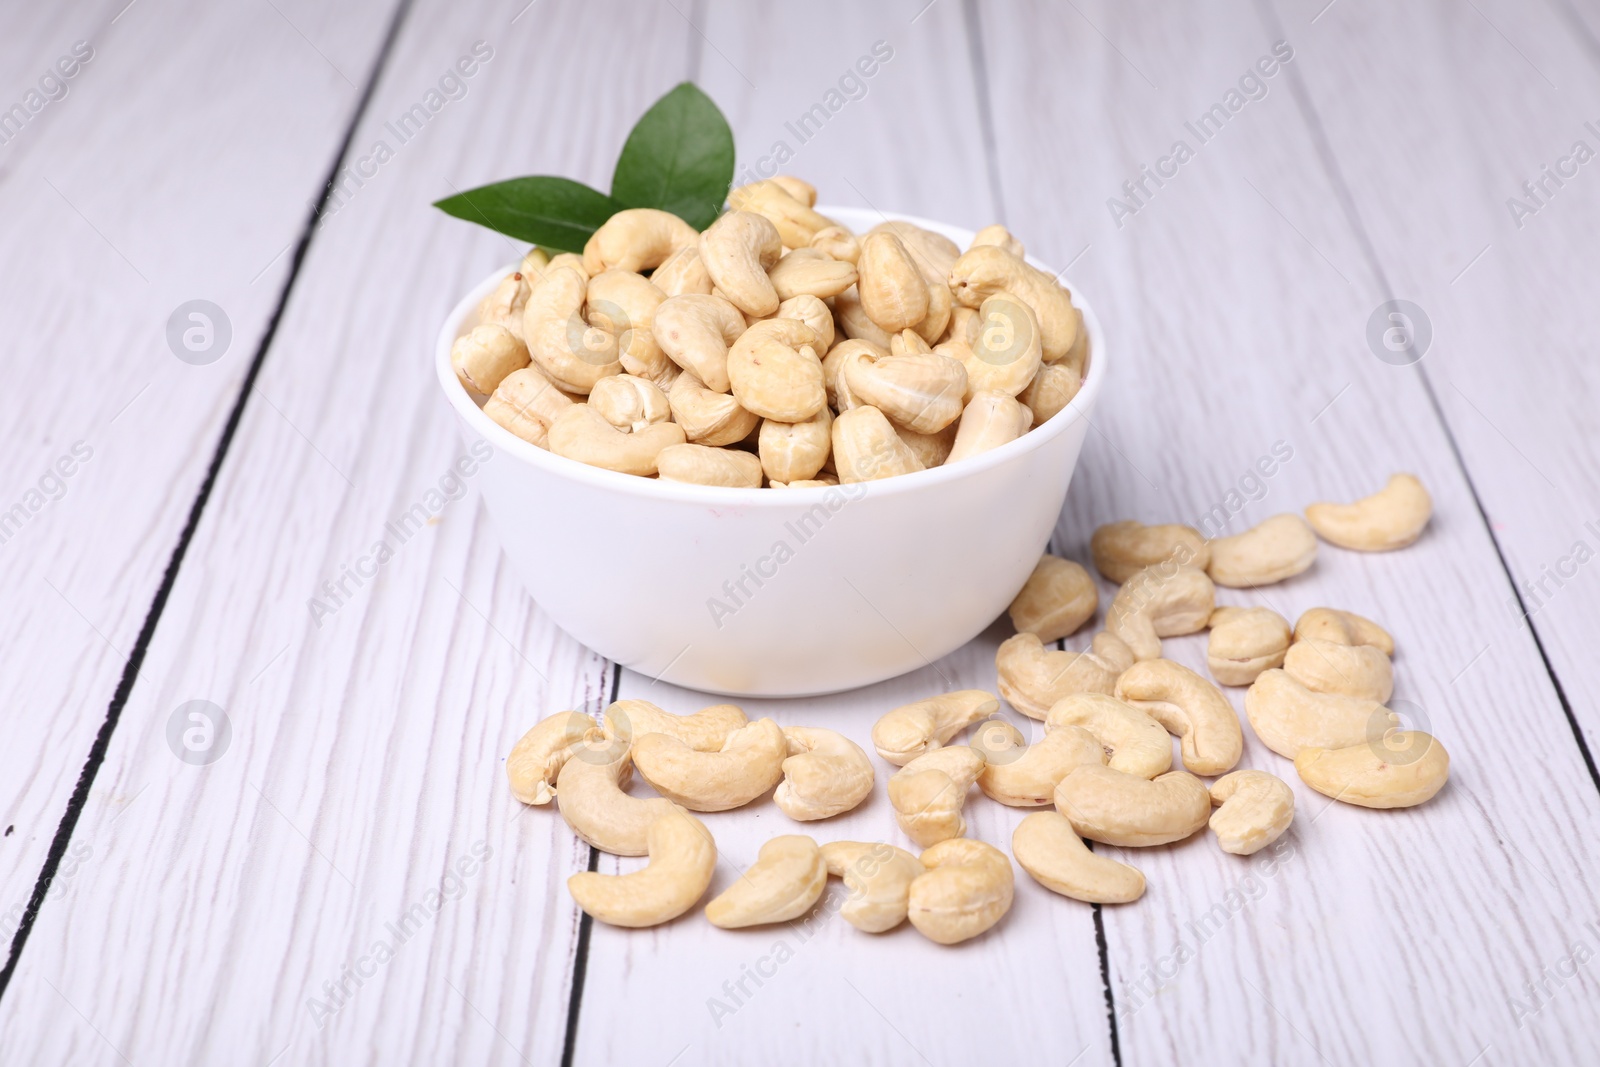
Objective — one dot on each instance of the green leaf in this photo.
(552, 212)
(679, 158)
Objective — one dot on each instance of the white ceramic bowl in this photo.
(776, 592)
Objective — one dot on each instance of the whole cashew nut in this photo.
(839, 357)
(989, 420)
(1057, 599)
(877, 879)
(1279, 548)
(503, 307)
(738, 250)
(1244, 642)
(583, 434)
(814, 313)
(915, 729)
(1032, 677)
(537, 757)
(636, 239)
(967, 888)
(787, 877)
(1124, 809)
(931, 449)
(1123, 549)
(704, 465)
(1006, 354)
(1350, 670)
(894, 293)
(1191, 709)
(682, 273)
(624, 303)
(1342, 627)
(853, 318)
(791, 215)
(593, 802)
(484, 356)
(1020, 775)
(795, 451)
(1051, 391)
(826, 774)
(1160, 601)
(707, 730)
(985, 270)
(1254, 809)
(527, 403)
(998, 236)
(928, 793)
(749, 763)
(706, 416)
(1288, 717)
(838, 243)
(774, 370)
(1133, 742)
(1050, 850)
(571, 352)
(629, 403)
(695, 332)
(933, 253)
(1393, 517)
(1369, 776)
(809, 272)
(919, 390)
(682, 859)
(866, 447)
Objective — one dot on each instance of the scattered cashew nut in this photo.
(1393, 517)
(1123, 809)
(1032, 677)
(537, 757)
(967, 888)
(1050, 850)
(824, 775)
(1288, 717)
(682, 859)
(877, 879)
(1160, 601)
(1133, 742)
(915, 729)
(1123, 549)
(1020, 775)
(1057, 599)
(1278, 548)
(593, 802)
(749, 763)
(1244, 642)
(1191, 709)
(1254, 809)
(1369, 776)
(787, 877)
(928, 793)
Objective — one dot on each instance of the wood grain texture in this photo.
(366, 755)
(141, 186)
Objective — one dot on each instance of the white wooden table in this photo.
(165, 523)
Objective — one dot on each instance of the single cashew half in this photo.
(1191, 709)
(985, 270)
(537, 757)
(795, 451)
(1057, 599)
(877, 879)
(629, 403)
(683, 272)
(1405, 768)
(968, 888)
(1279, 548)
(774, 370)
(1123, 549)
(787, 877)
(866, 447)
(928, 793)
(1393, 517)
(583, 434)
(527, 403)
(915, 729)
(749, 763)
(1351, 670)
(682, 859)
(1050, 850)
(707, 730)
(791, 215)
(1254, 809)
(484, 356)
(1020, 775)
(636, 239)
(1032, 677)
(1051, 391)
(706, 416)
(593, 802)
(1288, 717)
(570, 351)
(1244, 642)
(738, 250)
(894, 293)
(1342, 627)
(1124, 809)
(1133, 742)
(825, 775)
(989, 420)
(1160, 601)
(695, 332)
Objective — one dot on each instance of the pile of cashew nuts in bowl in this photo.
(777, 349)
(1101, 771)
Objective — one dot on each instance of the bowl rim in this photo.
(528, 453)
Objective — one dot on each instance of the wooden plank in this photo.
(1237, 296)
(140, 186)
(364, 766)
(663, 995)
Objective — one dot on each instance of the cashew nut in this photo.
(707, 730)
(1006, 355)
(682, 273)
(1160, 601)
(527, 403)
(787, 877)
(629, 403)
(1254, 809)
(738, 250)
(825, 774)
(814, 313)
(704, 465)
(1032, 677)
(798, 188)
(808, 272)
(820, 482)
(1123, 549)
(706, 416)
(838, 243)
(1133, 742)
(534, 261)
(774, 370)
(933, 253)
(1342, 627)
(1057, 599)
(583, 434)
(989, 420)
(1191, 709)
(749, 763)
(1351, 670)
(1281, 547)
(1244, 642)
(695, 332)
(985, 270)
(636, 239)
(1123, 809)
(1020, 775)
(912, 730)
(791, 215)
(928, 793)
(503, 306)
(853, 320)
(682, 859)
(624, 303)
(537, 757)
(594, 803)
(998, 236)
(839, 357)
(1288, 717)
(1051, 390)
(795, 451)
(968, 888)
(866, 447)
(919, 390)
(1367, 775)
(963, 326)
(931, 449)
(1049, 849)
(894, 293)
(941, 305)
(1393, 517)
(484, 356)
(572, 353)
(878, 879)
